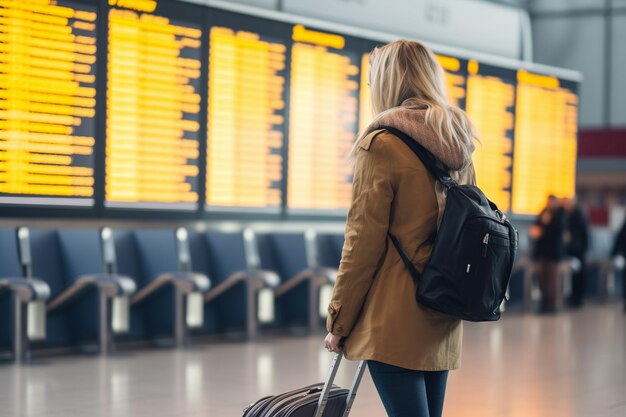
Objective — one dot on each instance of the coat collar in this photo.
(410, 118)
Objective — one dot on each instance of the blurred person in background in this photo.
(619, 254)
(577, 244)
(548, 232)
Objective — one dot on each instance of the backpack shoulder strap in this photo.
(427, 158)
(405, 258)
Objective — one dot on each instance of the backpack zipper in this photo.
(485, 244)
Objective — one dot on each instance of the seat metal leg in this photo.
(603, 280)
(179, 317)
(314, 290)
(251, 311)
(18, 329)
(528, 288)
(103, 310)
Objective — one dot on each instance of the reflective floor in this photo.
(573, 364)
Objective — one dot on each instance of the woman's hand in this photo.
(333, 343)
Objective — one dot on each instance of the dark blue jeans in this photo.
(408, 393)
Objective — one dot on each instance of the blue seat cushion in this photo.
(9, 254)
(82, 252)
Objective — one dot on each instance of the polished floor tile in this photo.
(573, 364)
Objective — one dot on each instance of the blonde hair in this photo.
(403, 70)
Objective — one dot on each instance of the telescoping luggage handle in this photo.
(332, 373)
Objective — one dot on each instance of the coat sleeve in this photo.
(365, 235)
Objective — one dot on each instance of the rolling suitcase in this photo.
(318, 400)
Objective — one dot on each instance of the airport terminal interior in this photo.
(175, 182)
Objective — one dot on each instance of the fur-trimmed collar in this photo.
(410, 118)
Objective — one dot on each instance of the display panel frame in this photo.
(278, 31)
(177, 11)
(354, 46)
(502, 74)
(572, 87)
(365, 45)
(64, 207)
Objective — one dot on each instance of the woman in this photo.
(409, 348)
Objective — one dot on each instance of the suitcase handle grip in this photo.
(332, 373)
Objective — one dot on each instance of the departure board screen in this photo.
(456, 79)
(322, 120)
(153, 98)
(546, 131)
(491, 106)
(365, 100)
(246, 120)
(47, 102)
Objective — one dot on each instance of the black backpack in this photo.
(473, 250)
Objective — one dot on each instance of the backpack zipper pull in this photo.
(485, 244)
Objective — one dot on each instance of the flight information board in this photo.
(246, 120)
(47, 102)
(322, 120)
(365, 100)
(153, 98)
(456, 79)
(275, 106)
(491, 106)
(545, 141)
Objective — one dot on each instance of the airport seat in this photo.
(303, 281)
(599, 274)
(516, 286)
(530, 285)
(16, 292)
(329, 247)
(605, 280)
(168, 293)
(239, 289)
(79, 310)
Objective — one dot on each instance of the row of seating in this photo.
(92, 288)
(95, 288)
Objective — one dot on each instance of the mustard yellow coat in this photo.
(373, 301)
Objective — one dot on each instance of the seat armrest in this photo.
(199, 282)
(258, 278)
(126, 285)
(31, 289)
(319, 276)
(112, 285)
(269, 279)
(186, 282)
(329, 274)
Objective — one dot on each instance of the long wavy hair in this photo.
(405, 69)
